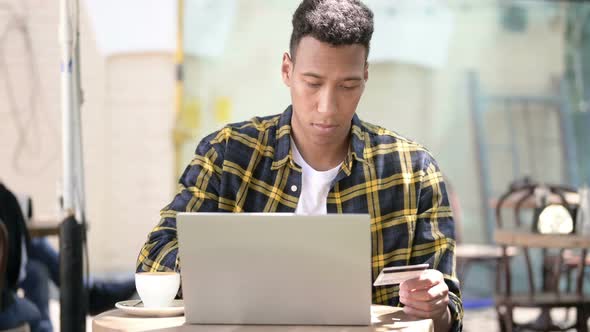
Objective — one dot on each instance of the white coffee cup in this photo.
(157, 289)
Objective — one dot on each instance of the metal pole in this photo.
(67, 107)
(72, 299)
(73, 303)
(78, 99)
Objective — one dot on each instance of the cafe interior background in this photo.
(498, 90)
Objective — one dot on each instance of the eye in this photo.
(350, 87)
(313, 85)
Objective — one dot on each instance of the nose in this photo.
(327, 102)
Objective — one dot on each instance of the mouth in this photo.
(324, 128)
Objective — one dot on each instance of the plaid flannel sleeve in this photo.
(197, 191)
(434, 239)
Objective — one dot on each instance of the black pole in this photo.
(73, 302)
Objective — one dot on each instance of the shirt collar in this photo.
(283, 142)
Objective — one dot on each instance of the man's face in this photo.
(326, 84)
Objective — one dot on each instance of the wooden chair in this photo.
(3, 264)
(547, 294)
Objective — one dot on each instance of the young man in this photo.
(318, 157)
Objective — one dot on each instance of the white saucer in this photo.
(136, 308)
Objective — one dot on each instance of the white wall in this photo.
(127, 119)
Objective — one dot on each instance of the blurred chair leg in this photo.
(510, 320)
(568, 288)
(502, 319)
(581, 319)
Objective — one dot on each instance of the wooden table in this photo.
(383, 318)
(41, 228)
(528, 239)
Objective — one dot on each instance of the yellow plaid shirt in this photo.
(248, 167)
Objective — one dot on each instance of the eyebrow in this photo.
(348, 78)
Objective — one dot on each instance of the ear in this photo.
(366, 73)
(287, 69)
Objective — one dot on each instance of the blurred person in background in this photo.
(32, 262)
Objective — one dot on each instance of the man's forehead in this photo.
(317, 58)
(309, 45)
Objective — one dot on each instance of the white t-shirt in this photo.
(315, 186)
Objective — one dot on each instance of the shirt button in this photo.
(293, 188)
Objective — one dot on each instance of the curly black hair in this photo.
(337, 22)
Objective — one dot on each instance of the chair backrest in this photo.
(521, 198)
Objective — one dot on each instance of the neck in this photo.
(322, 157)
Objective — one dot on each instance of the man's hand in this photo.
(427, 297)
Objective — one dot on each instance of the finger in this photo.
(426, 280)
(409, 310)
(429, 306)
(438, 291)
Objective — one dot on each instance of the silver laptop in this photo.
(242, 268)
